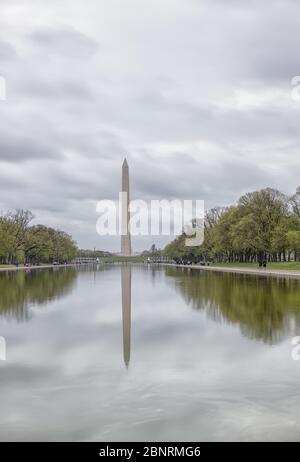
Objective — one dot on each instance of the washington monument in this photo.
(125, 238)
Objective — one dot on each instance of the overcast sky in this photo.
(195, 93)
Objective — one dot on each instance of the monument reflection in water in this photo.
(126, 312)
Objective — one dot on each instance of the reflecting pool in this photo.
(148, 353)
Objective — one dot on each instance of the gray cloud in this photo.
(7, 52)
(20, 148)
(68, 42)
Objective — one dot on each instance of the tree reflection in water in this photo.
(19, 289)
(265, 308)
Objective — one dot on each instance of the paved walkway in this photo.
(224, 269)
(257, 271)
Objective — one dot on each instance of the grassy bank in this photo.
(292, 266)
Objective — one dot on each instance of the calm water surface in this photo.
(148, 353)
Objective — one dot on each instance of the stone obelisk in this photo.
(125, 238)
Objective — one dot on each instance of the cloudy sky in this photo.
(196, 94)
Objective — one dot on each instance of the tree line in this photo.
(263, 224)
(22, 243)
